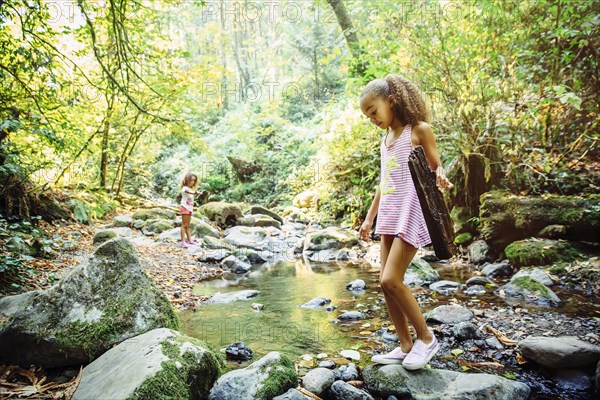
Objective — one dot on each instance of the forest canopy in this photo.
(261, 99)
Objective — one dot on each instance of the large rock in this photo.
(537, 274)
(104, 235)
(259, 220)
(559, 352)
(318, 381)
(157, 225)
(161, 363)
(101, 302)
(493, 270)
(479, 251)
(264, 379)
(449, 314)
(535, 251)
(122, 220)
(253, 237)
(529, 290)
(202, 229)
(505, 218)
(420, 273)
(435, 384)
(256, 209)
(329, 238)
(222, 213)
(341, 390)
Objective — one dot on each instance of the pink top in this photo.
(399, 211)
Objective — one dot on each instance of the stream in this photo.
(295, 331)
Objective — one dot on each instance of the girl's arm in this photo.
(374, 206)
(427, 140)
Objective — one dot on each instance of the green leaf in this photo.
(508, 375)
(457, 352)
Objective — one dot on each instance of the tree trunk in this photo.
(224, 95)
(438, 220)
(105, 137)
(345, 22)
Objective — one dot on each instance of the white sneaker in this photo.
(420, 354)
(393, 357)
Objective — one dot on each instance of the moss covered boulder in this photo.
(330, 238)
(104, 236)
(420, 273)
(272, 375)
(222, 213)
(259, 220)
(143, 215)
(157, 225)
(160, 364)
(394, 380)
(535, 251)
(201, 228)
(505, 218)
(103, 301)
(527, 289)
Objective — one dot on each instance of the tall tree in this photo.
(360, 64)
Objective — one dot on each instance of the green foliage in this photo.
(91, 205)
(508, 80)
(25, 240)
(539, 252)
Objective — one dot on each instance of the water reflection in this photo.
(282, 325)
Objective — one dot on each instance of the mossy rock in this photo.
(535, 251)
(419, 273)
(160, 364)
(104, 236)
(463, 238)
(272, 375)
(330, 238)
(101, 302)
(505, 218)
(527, 289)
(143, 215)
(202, 229)
(222, 213)
(157, 226)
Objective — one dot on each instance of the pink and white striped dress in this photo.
(399, 211)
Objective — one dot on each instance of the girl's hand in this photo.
(441, 180)
(365, 230)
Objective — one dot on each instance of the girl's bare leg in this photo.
(392, 280)
(185, 224)
(396, 313)
(182, 228)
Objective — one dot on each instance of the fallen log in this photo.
(438, 220)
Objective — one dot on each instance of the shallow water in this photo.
(282, 325)
(285, 327)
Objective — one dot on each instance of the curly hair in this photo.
(408, 102)
(187, 179)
